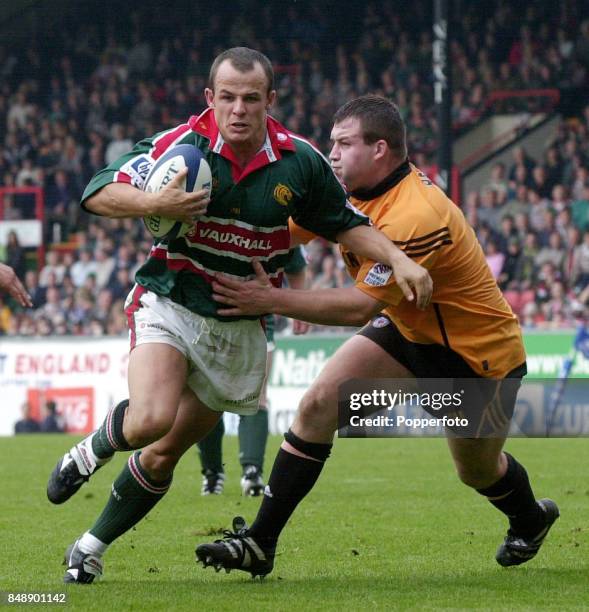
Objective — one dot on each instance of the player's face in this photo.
(351, 158)
(240, 101)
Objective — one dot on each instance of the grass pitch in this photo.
(387, 527)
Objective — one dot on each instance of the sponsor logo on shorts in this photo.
(378, 275)
(243, 400)
(155, 326)
(380, 322)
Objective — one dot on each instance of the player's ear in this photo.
(210, 97)
(380, 149)
(271, 99)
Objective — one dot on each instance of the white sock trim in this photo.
(91, 545)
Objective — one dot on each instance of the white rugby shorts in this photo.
(226, 360)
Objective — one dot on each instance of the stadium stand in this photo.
(84, 91)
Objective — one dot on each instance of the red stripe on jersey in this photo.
(185, 264)
(279, 136)
(259, 161)
(240, 240)
(122, 177)
(163, 143)
(180, 264)
(253, 234)
(130, 311)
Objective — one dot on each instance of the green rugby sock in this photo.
(211, 449)
(109, 437)
(134, 493)
(253, 433)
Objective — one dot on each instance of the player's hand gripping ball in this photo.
(163, 172)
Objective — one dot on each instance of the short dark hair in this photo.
(243, 59)
(379, 119)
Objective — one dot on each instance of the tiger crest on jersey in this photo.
(282, 194)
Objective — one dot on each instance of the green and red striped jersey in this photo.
(249, 210)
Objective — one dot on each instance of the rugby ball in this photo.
(163, 172)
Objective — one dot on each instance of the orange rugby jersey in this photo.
(468, 312)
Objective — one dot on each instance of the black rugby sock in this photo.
(292, 477)
(513, 495)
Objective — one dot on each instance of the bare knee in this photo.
(317, 414)
(145, 424)
(159, 464)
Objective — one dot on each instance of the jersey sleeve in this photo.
(131, 168)
(422, 243)
(296, 261)
(324, 210)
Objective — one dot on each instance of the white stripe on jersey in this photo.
(216, 148)
(312, 147)
(232, 255)
(267, 146)
(243, 225)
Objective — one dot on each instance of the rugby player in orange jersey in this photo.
(468, 331)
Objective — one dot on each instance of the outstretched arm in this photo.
(371, 243)
(347, 306)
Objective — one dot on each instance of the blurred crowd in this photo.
(532, 219)
(84, 92)
(50, 421)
